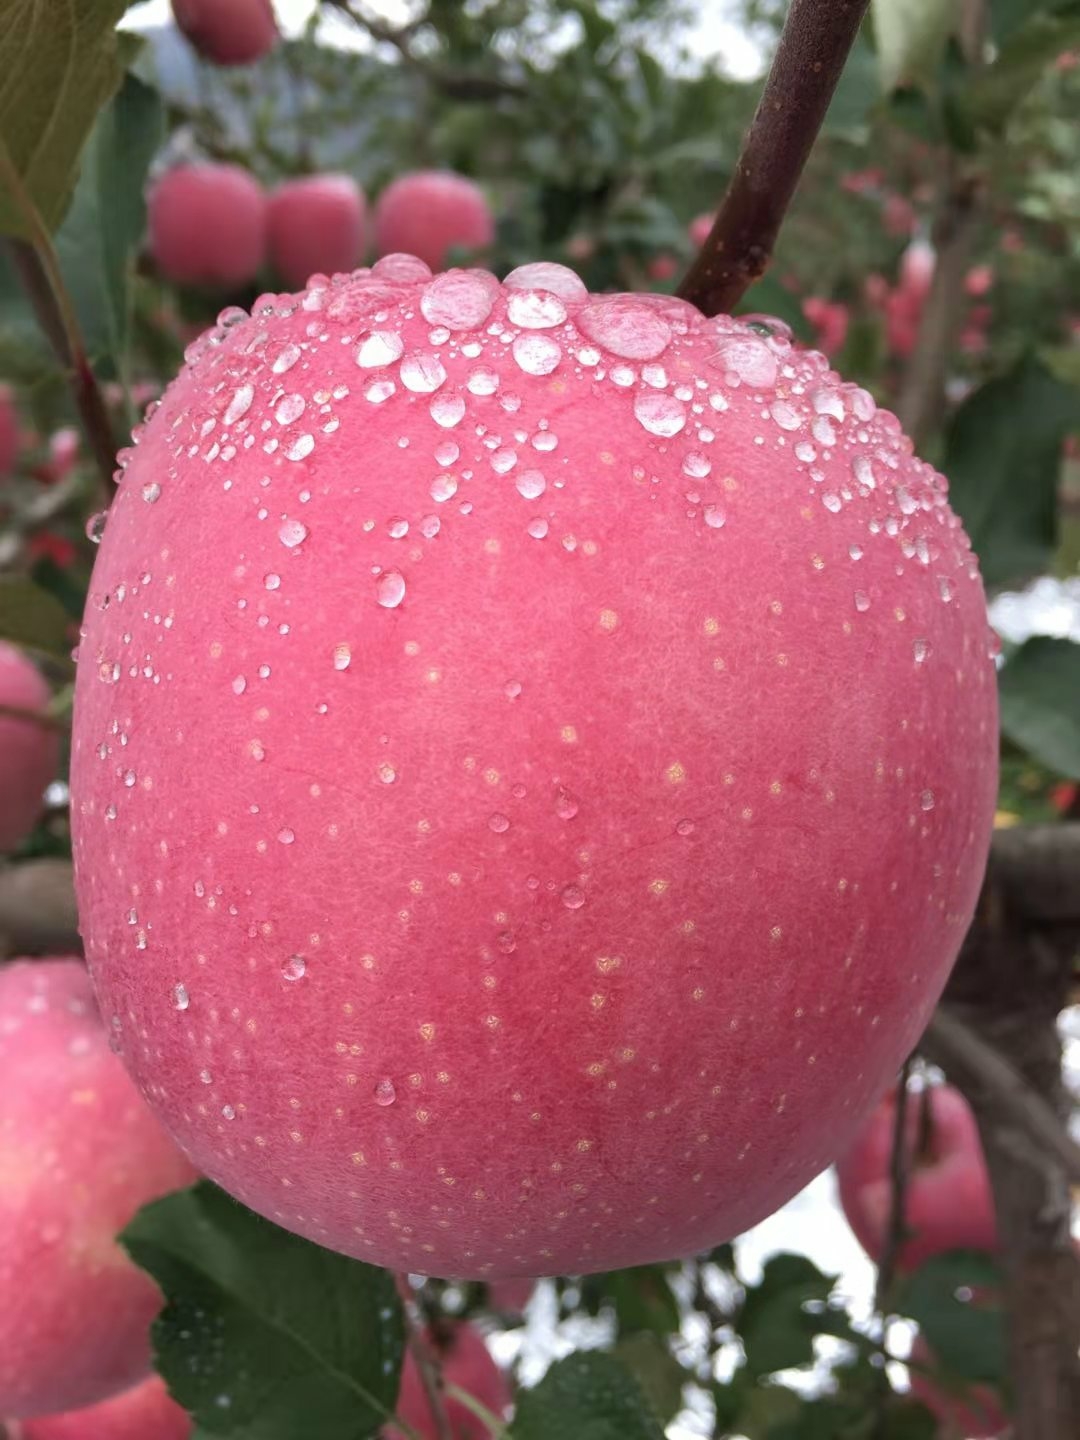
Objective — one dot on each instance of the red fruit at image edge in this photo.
(29, 752)
(948, 1201)
(82, 1154)
(148, 1412)
(566, 772)
(466, 1362)
(228, 32)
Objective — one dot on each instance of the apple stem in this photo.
(431, 1379)
(898, 1177)
(815, 43)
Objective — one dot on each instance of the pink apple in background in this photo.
(315, 225)
(949, 1205)
(858, 182)
(228, 32)
(898, 215)
(9, 431)
(663, 267)
(428, 213)
(917, 265)
(207, 225)
(651, 793)
(81, 1154)
(147, 1412)
(29, 752)
(467, 1363)
(831, 320)
(974, 1413)
(979, 281)
(511, 1296)
(699, 229)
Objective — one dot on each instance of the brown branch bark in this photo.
(1016, 971)
(898, 1174)
(38, 915)
(89, 400)
(816, 40)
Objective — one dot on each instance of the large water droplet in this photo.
(547, 275)
(659, 413)
(573, 897)
(715, 516)
(531, 484)
(537, 354)
(390, 589)
(460, 300)
(292, 533)
(422, 373)
(295, 968)
(747, 358)
(382, 347)
(625, 327)
(95, 526)
(535, 309)
(447, 410)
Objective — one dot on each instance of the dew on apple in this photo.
(301, 447)
(921, 651)
(537, 528)
(379, 391)
(862, 601)
(499, 823)
(447, 410)
(660, 414)
(384, 1092)
(573, 897)
(294, 968)
(537, 354)
(530, 484)
(422, 374)
(390, 589)
(446, 452)
(342, 657)
(397, 527)
(386, 773)
(181, 999)
(566, 803)
(95, 526)
(715, 516)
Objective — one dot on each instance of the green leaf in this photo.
(967, 1338)
(910, 37)
(656, 1370)
(1007, 16)
(104, 227)
(776, 1331)
(265, 1336)
(856, 95)
(641, 1297)
(996, 91)
(1039, 689)
(590, 1396)
(60, 62)
(32, 617)
(1003, 459)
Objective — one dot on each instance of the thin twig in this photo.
(431, 1379)
(816, 40)
(896, 1233)
(971, 1061)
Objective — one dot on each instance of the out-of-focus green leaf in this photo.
(590, 1396)
(1003, 460)
(102, 231)
(1007, 16)
(967, 1338)
(910, 38)
(856, 95)
(60, 62)
(263, 1333)
(776, 1331)
(997, 89)
(1040, 702)
(656, 1370)
(32, 617)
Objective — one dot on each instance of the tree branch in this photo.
(898, 1174)
(38, 914)
(431, 1378)
(816, 40)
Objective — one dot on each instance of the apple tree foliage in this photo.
(599, 135)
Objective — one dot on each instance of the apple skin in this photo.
(466, 1362)
(29, 753)
(9, 431)
(510, 1297)
(228, 32)
(948, 1201)
(315, 225)
(976, 1414)
(147, 1412)
(81, 1153)
(428, 213)
(562, 896)
(207, 225)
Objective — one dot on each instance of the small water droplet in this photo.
(430, 526)
(95, 526)
(390, 589)
(921, 651)
(286, 836)
(342, 657)
(537, 528)
(573, 897)
(301, 447)
(151, 493)
(862, 601)
(181, 999)
(659, 413)
(292, 533)
(715, 516)
(684, 827)
(566, 803)
(295, 968)
(384, 1092)
(512, 689)
(926, 800)
(397, 527)
(289, 408)
(499, 823)
(531, 484)
(422, 373)
(229, 1114)
(386, 773)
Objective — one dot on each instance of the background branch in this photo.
(814, 45)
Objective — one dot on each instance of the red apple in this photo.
(207, 225)
(148, 1412)
(228, 32)
(466, 1362)
(663, 267)
(81, 1153)
(976, 1413)
(949, 1204)
(429, 213)
(9, 431)
(29, 752)
(509, 1297)
(315, 226)
(917, 265)
(560, 752)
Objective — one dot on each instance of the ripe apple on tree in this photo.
(29, 750)
(974, 1414)
(465, 1361)
(228, 32)
(207, 225)
(315, 225)
(948, 1203)
(428, 213)
(9, 431)
(575, 725)
(147, 1412)
(81, 1153)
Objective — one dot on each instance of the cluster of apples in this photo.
(948, 1205)
(213, 225)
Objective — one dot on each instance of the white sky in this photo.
(715, 33)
